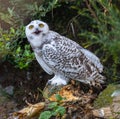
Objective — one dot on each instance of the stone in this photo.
(9, 90)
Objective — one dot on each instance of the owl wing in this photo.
(94, 59)
(43, 64)
(66, 56)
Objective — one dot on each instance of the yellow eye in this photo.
(41, 25)
(31, 27)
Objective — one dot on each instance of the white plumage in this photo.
(62, 57)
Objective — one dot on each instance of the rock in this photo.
(116, 107)
(3, 96)
(116, 92)
(108, 103)
(9, 90)
(0, 86)
(105, 99)
(7, 106)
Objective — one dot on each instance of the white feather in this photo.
(43, 64)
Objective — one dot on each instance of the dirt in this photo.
(26, 85)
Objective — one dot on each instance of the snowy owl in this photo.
(62, 57)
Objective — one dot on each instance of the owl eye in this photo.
(41, 25)
(31, 27)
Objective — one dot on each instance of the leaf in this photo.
(18, 50)
(12, 30)
(59, 110)
(45, 115)
(58, 97)
(52, 105)
(10, 11)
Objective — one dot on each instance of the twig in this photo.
(91, 10)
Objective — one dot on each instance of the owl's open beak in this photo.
(37, 31)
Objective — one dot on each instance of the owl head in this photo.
(36, 29)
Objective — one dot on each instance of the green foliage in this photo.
(54, 109)
(45, 115)
(58, 97)
(22, 57)
(12, 50)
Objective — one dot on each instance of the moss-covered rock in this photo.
(105, 98)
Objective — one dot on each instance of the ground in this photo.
(25, 83)
(28, 84)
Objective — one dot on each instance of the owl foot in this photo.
(51, 88)
(55, 84)
(57, 81)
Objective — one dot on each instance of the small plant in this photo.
(54, 109)
(23, 57)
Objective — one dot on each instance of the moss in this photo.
(105, 99)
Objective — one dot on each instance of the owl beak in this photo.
(37, 31)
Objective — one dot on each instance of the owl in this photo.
(62, 57)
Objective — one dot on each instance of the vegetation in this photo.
(93, 24)
(105, 98)
(54, 109)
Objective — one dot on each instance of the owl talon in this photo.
(49, 82)
(56, 81)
